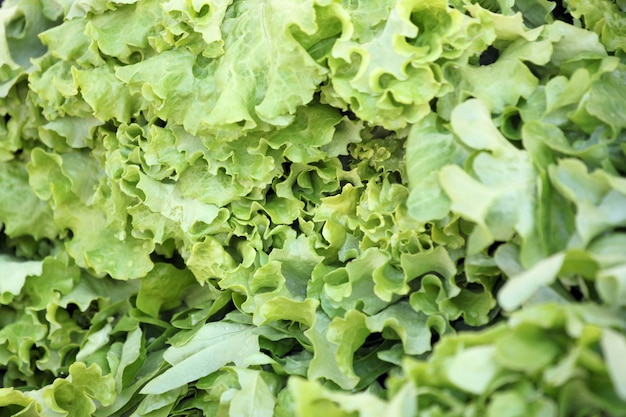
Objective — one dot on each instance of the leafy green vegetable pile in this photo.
(313, 208)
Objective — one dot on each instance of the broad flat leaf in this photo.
(614, 348)
(13, 276)
(522, 286)
(254, 399)
(215, 345)
(473, 369)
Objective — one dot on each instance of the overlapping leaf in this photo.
(298, 208)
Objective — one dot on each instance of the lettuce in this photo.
(291, 208)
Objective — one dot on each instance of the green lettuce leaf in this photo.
(63, 180)
(604, 18)
(207, 351)
(298, 208)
